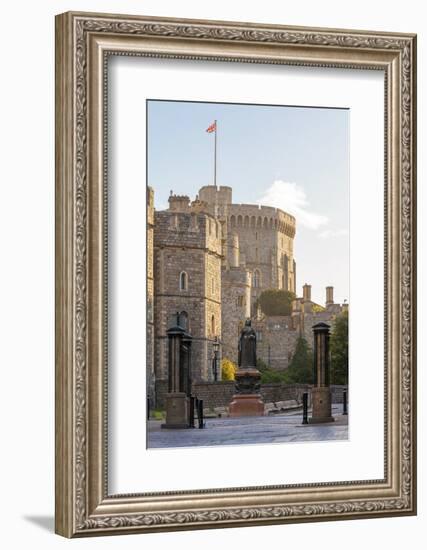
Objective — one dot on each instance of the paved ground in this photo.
(243, 431)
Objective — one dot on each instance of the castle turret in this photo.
(216, 195)
(179, 203)
(233, 250)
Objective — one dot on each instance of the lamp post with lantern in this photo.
(216, 344)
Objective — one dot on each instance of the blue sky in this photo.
(294, 158)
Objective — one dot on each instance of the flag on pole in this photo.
(212, 129)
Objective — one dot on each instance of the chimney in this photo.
(306, 292)
(329, 295)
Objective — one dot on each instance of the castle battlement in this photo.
(261, 217)
(264, 210)
(187, 229)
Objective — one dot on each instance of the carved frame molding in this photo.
(83, 43)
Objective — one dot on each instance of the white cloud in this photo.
(292, 198)
(329, 233)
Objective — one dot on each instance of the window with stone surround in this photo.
(183, 281)
(256, 278)
(240, 301)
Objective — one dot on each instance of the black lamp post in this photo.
(215, 358)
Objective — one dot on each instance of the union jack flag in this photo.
(211, 128)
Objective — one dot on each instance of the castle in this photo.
(209, 260)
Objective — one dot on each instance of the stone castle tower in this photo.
(260, 237)
(257, 251)
(187, 280)
(151, 376)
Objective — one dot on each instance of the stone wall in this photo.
(150, 295)
(235, 308)
(276, 341)
(219, 394)
(271, 393)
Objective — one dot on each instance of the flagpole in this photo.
(216, 129)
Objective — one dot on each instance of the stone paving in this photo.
(279, 428)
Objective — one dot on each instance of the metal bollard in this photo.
(305, 408)
(344, 403)
(191, 416)
(148, 408)
(200, 414)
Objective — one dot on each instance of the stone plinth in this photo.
(247, 399)
(321, 399)
(177, 411)
(246, 405)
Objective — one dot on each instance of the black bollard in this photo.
(148, 408)
(305, 408)
(344, 403)
(191, 419)
(200, 414)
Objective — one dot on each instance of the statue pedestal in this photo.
(322, 406)
(177, 411)
(247, 399)
(246, 405)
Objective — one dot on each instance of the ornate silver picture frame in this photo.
(84, 43)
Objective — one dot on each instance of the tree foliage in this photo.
(276, 302)
(228, 369)
(300, 370)
(269, 375)
(339, 349)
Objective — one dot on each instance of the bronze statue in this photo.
(247, 346)
(247, 399)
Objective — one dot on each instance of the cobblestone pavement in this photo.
(249, 430)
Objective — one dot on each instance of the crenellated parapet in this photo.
(188, 230)
(262, 217)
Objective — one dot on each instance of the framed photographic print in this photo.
(235, 274)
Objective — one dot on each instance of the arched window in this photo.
(256, 279)
(213, 324)
(183, 281)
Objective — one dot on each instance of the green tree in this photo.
(339, 349)
(269, 375)
(276, 302)
(300, 370)
(228, 369)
